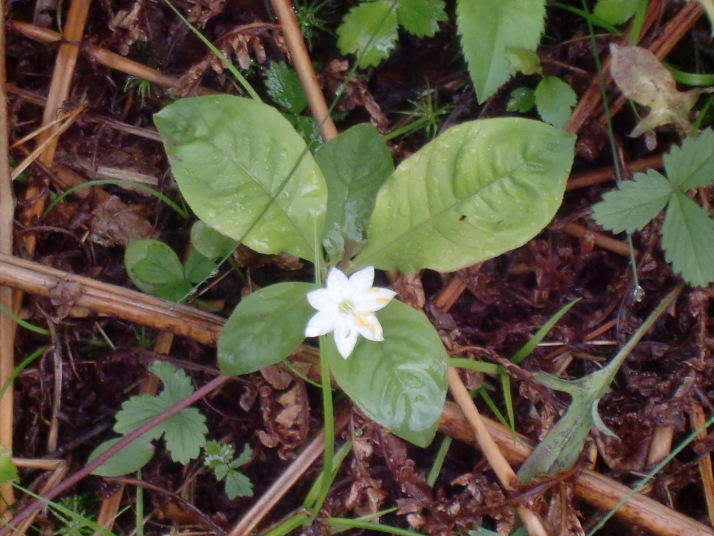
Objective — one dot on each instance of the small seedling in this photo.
(222, 460)
(184, 432)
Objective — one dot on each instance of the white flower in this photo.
(347, 307)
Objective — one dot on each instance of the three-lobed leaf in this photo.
(634, 204)
(209, 242)
(264, 328)
(479, 189)
(355, 164)
(489, 29)
(245, 172)
(399, 383)
(184, 432)
(151, 265)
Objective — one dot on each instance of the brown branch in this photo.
(304, 69)
(7, 326)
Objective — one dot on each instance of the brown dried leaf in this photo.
(63, 295)
(115, 223)
(641, 77)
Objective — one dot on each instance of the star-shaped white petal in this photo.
(346, 307)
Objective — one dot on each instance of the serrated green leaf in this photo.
(634, 204)
(183, 432)
(399, 383)
(691, 165)
(421, 17)
(128, 460)
(236, 163)
(238, 485)
(369, 30)
(209, 242)
(352, 183)
(185, 435)
(688, 240)
(615, 11)
(177, 384)
(138, 410)
(488, 29)
(264, 328)
(151, 264)
(522, 100)
(283, 86)
(555, 101)
(220, 471)
(243, 457)
(479, 189)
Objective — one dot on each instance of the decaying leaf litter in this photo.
(65, 402)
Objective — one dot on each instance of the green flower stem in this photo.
(329, 420)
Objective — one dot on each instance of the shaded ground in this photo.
(65, 402)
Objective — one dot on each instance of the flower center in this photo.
(346, 307)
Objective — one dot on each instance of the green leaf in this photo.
(128, 460)
(138, 410)
(184, 432)
(177, 384)
(8, 470)
(264, 328)
(209, 242)
(185, 435)
(151, 264)
(216, 454)
(524, 61)
(688, 239)
(174, 291)
(634, 204)
(399, 383)
(198, 268)
(421, 17)
(555, 101)
(238, 485)
(522, 100)
(479, 189)
(692, 164)
(561, 448)
(369, 30)
(307, 129)
(245, 172)
(355, 164)
(615, 11)
(489, 29)
(283, 86)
